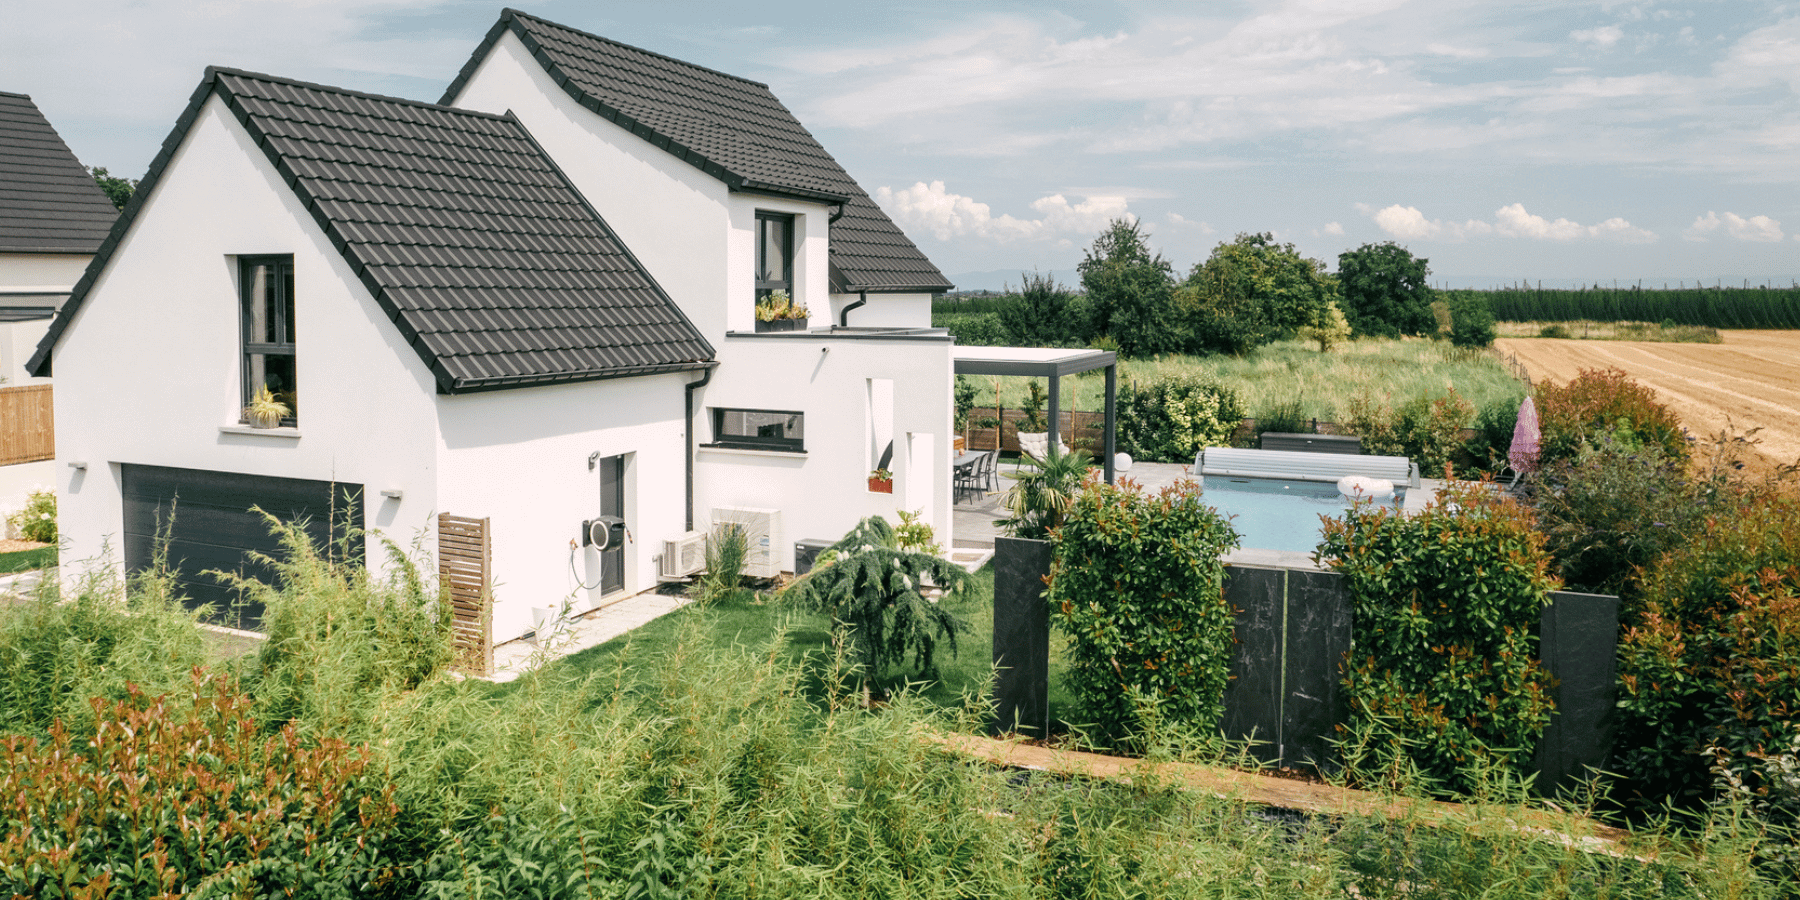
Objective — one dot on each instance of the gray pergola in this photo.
(1053, 364)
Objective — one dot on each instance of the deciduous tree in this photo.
(1385, 290)
(1130, 289)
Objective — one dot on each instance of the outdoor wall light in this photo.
(393, 493)
(78, 465)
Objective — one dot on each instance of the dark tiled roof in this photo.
(728, 127)
(491, 264)
(48, 202)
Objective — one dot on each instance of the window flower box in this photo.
(881, 481)
(780, 325)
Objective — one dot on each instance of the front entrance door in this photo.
(612, 503)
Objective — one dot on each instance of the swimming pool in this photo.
(1277, 514)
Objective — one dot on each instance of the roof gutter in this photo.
(844, 317)
(691, 387)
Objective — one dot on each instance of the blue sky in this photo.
(1557, 141)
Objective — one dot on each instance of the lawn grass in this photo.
(26, 560)
(1289, 372)
(748, 618)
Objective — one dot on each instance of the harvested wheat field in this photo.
(1753, 378)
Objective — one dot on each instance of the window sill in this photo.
(289, 432)
(746, 451)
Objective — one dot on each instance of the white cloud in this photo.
(1603, 37)
(1180, 221)
(930, 207)
(1333, 228)
(1512, 220)
(1758, 229)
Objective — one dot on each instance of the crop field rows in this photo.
(1752, 380)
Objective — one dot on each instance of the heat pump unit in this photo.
(763, 528)
(683, 556)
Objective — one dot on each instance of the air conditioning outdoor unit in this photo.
(683, 556)
(763, 528)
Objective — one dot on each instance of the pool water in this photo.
(1275, 514)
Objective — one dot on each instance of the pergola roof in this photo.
(1034, 362)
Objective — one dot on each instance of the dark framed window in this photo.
(774, 254)
(267, 287)
(759, 429)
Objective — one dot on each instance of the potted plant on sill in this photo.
(881, 481)
(264, 411)
(778, 312)
(1034, 435)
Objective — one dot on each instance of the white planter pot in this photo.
(1035, 444)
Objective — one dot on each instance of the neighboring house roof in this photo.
(494, 268)
(731, 128)
(48, 202)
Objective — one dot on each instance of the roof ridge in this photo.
(333, 89)
(509, 12)
(12, 94)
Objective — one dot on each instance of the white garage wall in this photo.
(149, 370)
(520, 458)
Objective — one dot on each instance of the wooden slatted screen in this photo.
(465, 559)
(27, 429)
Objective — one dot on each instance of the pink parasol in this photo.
(1524, 452)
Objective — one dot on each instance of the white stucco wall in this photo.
(18, 341)
(520, 458)
(672, 216)
(49, 273)
(884, 310)
(148, 371)
(825, 491)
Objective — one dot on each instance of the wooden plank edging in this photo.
(1319, 799)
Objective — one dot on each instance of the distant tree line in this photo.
(1251, 291)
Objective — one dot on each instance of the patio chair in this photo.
(985, 470)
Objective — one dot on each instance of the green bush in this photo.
(1284, 417)
(1471, 321)
(1428, 430)
(1446, 606)
(1137, 586)
(181, 794)
(1555, 331)
(1166, 420)
(1598, 400)
(975, 329)
(874, 589)
(1494, 426)
(55, 656)
(36, 521)
(1043, 315)
(1614, 508)
(1714, 657)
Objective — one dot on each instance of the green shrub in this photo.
(1714, 657)
(1614, 508)
(1137, 586)
(55, 656)
(1555, 331)
(875, 592)
(1041, 316)
(1445, 605)
(1597, 400)
(1428, 430)
(1166, 420)
(1387, 290)
(1472, 321)
(181, 794)
(340, 637)
(1284, 417)
(726, 553)
(975, 329)
(1494, 425)
(36, 521)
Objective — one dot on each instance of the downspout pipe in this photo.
(691, 387)
(844, 317)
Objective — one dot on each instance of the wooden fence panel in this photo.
(465, 564)
(27, 425)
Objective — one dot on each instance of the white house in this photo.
(525, 308)
(52, 218)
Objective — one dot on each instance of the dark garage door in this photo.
(213, 527)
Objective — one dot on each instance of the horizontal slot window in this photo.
(759, 429)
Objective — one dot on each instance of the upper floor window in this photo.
(267, 285)
(774, 254)
(759, 429)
